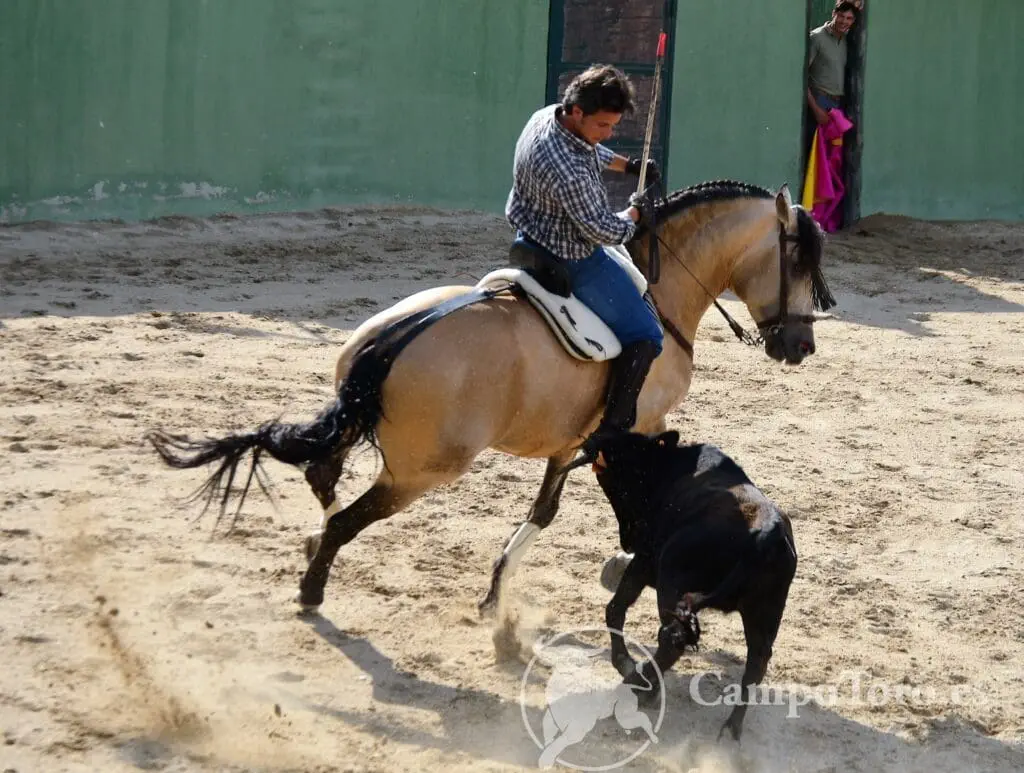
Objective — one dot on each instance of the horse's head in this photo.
(782, 285)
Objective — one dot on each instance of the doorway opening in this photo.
(819, 12)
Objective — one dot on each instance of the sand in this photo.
(134, 635)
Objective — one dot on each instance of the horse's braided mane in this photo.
(706, 192)
(809, 235)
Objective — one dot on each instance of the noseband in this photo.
(773, 325)
(769, 327)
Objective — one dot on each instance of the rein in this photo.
(673, 331)
(771, 326)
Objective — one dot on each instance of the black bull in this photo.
(702, 536)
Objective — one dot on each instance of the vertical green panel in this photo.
(944, 111)
(134, 109)
(736, 102)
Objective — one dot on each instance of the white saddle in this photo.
(579, 330)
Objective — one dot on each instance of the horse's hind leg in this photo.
(323, 477)
(381, 501)
(543, 511)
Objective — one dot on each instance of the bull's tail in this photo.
(349, 420)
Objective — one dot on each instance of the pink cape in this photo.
(823, 185)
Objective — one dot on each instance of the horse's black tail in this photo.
(351, 419)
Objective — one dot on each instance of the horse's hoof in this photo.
(304, 608)
(488, 608)
(313, 545)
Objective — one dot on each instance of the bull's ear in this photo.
(668, 439)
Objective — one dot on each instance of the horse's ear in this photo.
(668, 439)
(784, 208)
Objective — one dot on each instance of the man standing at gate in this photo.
(824, 181)
(559, 204)
(826, 61)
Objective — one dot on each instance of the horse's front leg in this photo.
(541, 514)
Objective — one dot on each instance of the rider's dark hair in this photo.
(601, 87)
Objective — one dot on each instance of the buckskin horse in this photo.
(431, 389)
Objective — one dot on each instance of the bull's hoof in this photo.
(649, 692)
(312, 545)
(735, 729)
(648, 699)
(304, 608)
(613, 569)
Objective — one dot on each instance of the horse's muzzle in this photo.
(791, 345)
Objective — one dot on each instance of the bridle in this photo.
(773, 325)
(766, 328)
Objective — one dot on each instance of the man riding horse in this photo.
(559, 204)
(444, 374)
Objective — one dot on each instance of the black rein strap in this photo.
(770, 325)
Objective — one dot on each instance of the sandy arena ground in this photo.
(132, 636)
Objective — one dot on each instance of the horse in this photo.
(431, 390)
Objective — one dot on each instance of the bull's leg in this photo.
(323, 477)
(381, 501)
(633, 582)
(611, 572)
(761, 621)
(670, 645)
(541, 514)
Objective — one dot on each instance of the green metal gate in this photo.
(623, 33)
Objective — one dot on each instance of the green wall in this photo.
(137, 108)
(821, 12)
(736, 101)
(944, 109)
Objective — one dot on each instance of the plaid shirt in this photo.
(558, 198)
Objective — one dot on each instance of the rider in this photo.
(559, 203)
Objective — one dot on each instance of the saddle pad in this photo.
(579, 330)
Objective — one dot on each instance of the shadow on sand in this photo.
(490, 727)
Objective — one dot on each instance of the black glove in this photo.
(653, 174)
(646, 207)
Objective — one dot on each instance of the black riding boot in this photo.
(628, 373)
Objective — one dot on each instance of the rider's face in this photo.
(596, 127)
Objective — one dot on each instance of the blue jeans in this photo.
(606, 289)
(824, 101)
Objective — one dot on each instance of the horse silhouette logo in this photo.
(581, 690)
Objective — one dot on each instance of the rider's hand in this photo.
(653, 173)
(644, 208)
